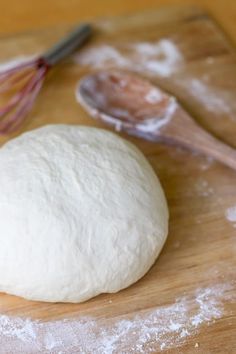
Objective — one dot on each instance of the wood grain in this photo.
(200, 250)
(21, 15)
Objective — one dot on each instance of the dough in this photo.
(81, 213)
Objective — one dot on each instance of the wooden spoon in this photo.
(134, 105)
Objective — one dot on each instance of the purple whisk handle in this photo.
(67, 45)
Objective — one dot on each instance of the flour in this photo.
(159, 58)
(206, 163)
(101, 55)
(203, 189)
(214, 100)
(153, 96)
(231, 215)
(154, 125)
(157, 329)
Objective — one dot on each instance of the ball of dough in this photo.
(81, 213)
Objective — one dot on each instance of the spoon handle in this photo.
(183, 130)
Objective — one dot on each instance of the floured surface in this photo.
(160, 328)
(193, 281)
(159, 58)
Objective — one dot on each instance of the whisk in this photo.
(23, 81)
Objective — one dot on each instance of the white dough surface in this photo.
(81, 213)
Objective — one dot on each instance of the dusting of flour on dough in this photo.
(71, 170)
(161, 57)
(157, 329)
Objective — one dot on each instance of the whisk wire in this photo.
(26, 79)
(14, 100)
(14, 79)
(16, 68)
(24, 101)
(19, 116)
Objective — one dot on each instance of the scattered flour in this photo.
(157, 329)
(231, 215)
(154, 125)
(203, 189)
(161, 57)
(101, 56)
(153, 96)
(207, 163)
(213, 99)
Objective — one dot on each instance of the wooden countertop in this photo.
(22, 15)
(197, 265)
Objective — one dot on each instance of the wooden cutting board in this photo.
(187, 302)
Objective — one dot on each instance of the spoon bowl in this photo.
(132, 104)
(114, 96)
